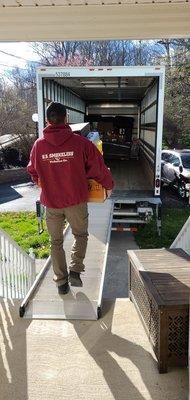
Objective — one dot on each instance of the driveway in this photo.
(22, 197)
(18, 197)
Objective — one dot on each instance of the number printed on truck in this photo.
(62, 74)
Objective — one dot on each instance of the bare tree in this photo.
(15, 118)
(51, 51)
(24, 80)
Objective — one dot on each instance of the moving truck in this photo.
(125, 105)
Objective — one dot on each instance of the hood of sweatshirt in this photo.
(57, 134)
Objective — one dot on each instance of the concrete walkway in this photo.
(95, 360)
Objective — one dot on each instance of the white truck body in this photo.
(97, 92)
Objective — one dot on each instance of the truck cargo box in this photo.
(125, 104)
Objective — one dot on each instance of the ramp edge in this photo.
(105, 259)
(39, 277)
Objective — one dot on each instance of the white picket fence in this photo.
(17, 269)
(183, 238)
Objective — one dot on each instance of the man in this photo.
(62, 162)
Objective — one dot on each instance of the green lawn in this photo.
(172, 221)
(23, 228)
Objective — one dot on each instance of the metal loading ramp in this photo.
(81, 302)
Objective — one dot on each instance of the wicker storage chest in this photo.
(159, 286)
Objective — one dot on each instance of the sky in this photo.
(20, 49)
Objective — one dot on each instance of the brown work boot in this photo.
(74, 279)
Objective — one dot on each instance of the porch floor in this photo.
(82, 360)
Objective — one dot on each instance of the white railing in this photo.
(183, 238)
(17, 269)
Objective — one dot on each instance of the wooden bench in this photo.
(159, 286)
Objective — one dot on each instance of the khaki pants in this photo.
(77, 217)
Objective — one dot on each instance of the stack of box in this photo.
(97, 194)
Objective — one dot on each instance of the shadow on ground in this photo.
(104, 345)
(13, 357)
(8, 193)
(106, 348)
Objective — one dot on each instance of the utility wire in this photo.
(13, 55)
(10, 66)
(5, 65)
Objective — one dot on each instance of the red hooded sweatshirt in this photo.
(63, 162)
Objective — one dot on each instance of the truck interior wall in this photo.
(148, 121)
(148, 169)
(54, 91)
